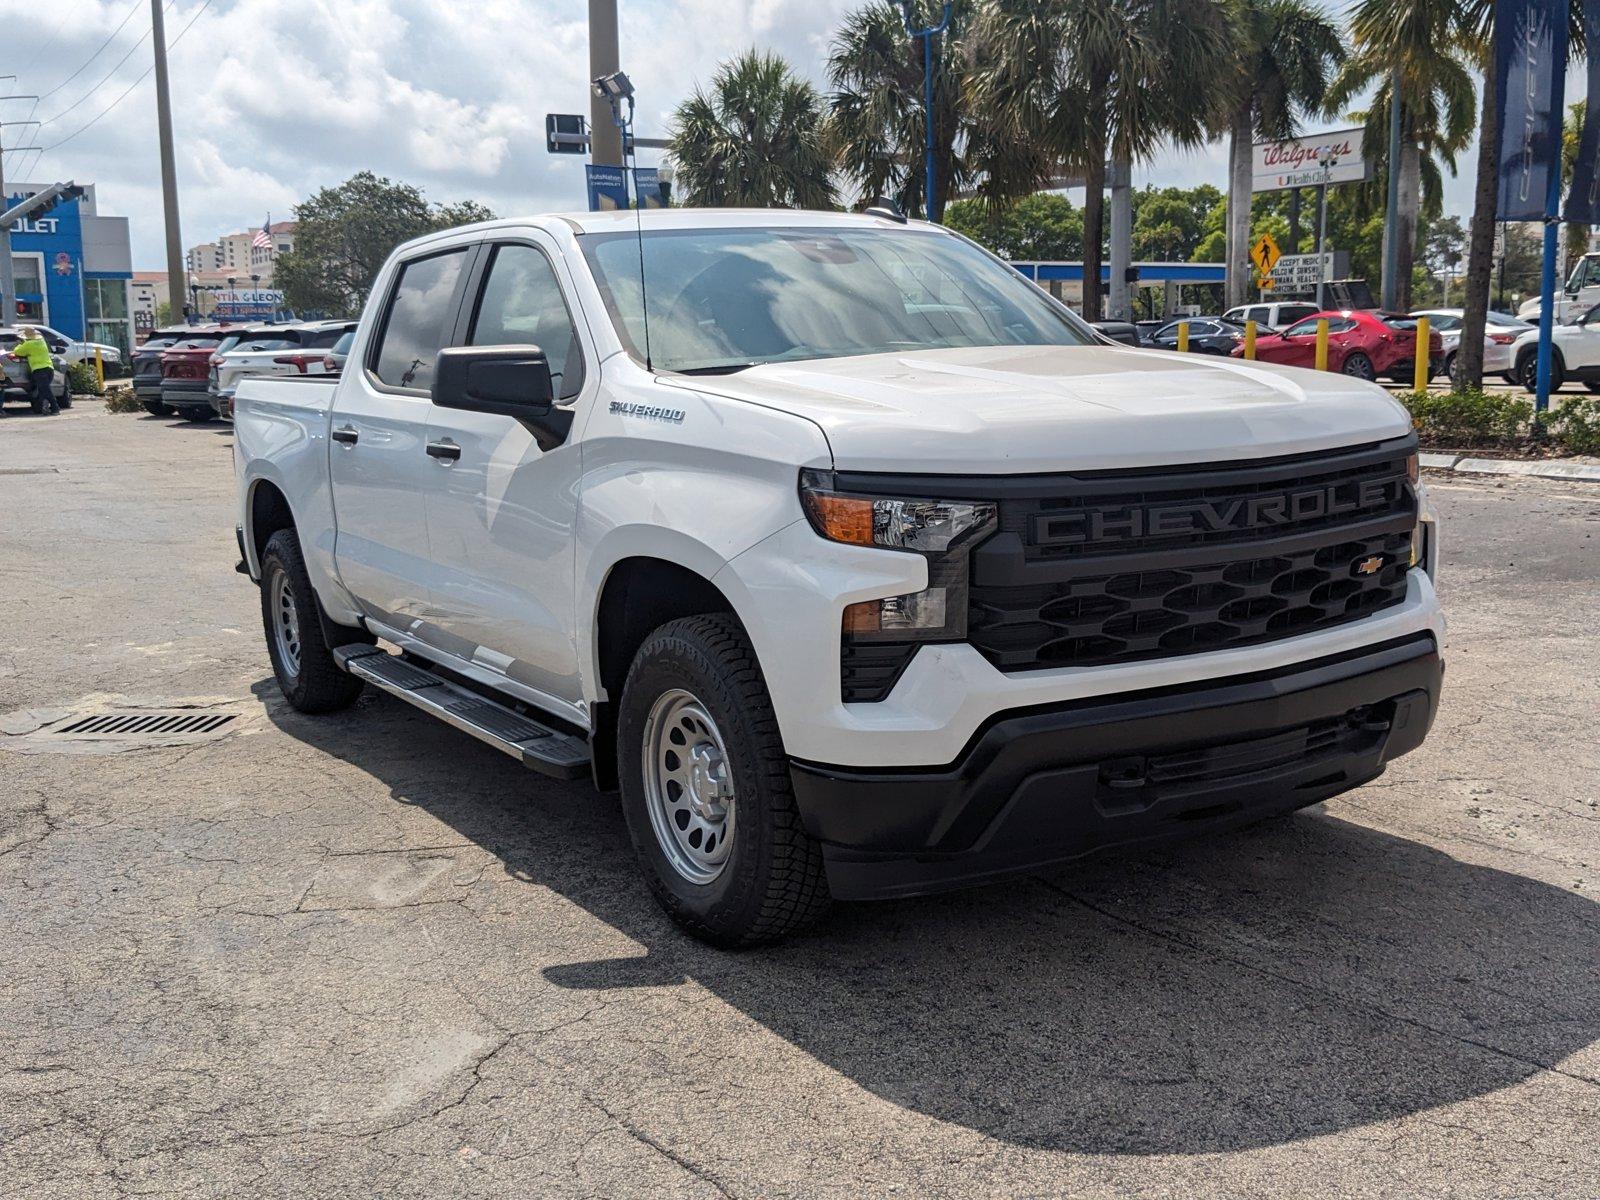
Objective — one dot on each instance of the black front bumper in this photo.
(1045, 785)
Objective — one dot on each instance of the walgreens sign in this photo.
(1334, 157)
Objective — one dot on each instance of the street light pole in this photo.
(1322, 234)
(605, 60)
(927, 35)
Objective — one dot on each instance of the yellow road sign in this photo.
(1265, 253)
(1264, 282)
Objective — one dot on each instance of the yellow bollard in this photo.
(1183, 337)
(1322, 344)
(1420, 382)
(1250, 340)
(99, 369)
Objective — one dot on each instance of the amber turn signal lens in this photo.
(864, 617)
(1413, 468)
(841, 518)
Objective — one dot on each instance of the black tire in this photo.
(772, 881)
(1592, 385)
(1358, 366)
(315, 684)
(155, 408)
(1450, 366)
(198, 415)
(1528, 372)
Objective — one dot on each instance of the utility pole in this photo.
(8, 279)
(605, 59)
(169, 169)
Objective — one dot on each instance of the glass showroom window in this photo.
(106, 306)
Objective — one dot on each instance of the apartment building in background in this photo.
(237, 255)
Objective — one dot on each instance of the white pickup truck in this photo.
(860, 565)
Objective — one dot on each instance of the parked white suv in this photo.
(271, 350)
(859, 563)
(1574, 354)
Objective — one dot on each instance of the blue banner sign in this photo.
(647, 186)
(1530, 44)
(1583, 204)
(608, 188)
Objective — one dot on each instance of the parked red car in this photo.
(1361, 342)
(186, 375)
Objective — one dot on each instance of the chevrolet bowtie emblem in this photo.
(1370, 566)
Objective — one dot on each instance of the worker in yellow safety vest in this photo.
(41, 368)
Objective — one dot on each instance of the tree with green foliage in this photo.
(1075, 82)
(1577, 235)
(756, 139)
(1420, 43)
(344, 234)
(1170, 223)
(1044, 227)
(1284, 56)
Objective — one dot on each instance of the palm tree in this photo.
(1476, 31)
(755, 141)
(876, 122)
(1284, 54)
(1081, 80)
(1419, 44)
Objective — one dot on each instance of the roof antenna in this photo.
(615, 89)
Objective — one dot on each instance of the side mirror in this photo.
(512, 381)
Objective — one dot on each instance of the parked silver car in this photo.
(18, 387)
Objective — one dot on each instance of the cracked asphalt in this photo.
(365, 956)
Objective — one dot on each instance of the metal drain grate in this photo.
(145, 724)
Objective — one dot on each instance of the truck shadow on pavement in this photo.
(1300, 978)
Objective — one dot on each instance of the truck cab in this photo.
(859, 565)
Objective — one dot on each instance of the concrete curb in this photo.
(1548, 469)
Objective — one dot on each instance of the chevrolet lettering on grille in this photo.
(1132, 522)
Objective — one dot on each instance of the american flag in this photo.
(262, 239)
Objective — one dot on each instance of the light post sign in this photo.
(1305, 161)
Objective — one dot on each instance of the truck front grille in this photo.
(1115, 567)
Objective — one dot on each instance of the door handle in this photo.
(346, 434)
(445, 451)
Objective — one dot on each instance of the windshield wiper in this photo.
(718, 369)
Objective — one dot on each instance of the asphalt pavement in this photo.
(363, 955)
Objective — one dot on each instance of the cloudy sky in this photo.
(275, 98)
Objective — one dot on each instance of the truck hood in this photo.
(1021, 409)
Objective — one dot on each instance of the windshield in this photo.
(722, 299)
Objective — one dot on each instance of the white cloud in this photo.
(276, 98)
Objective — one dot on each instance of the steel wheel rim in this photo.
(688, 786)
(285, 622)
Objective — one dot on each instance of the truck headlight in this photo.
(894, 522)
(940, 530)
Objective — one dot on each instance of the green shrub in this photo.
(81, 379)
(1576, 425)
(1468, 420)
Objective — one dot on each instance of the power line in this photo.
(98, 51)
(108, 76)
(129, 91)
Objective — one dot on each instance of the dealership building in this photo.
(74, 269)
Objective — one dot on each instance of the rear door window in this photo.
(419, 320)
